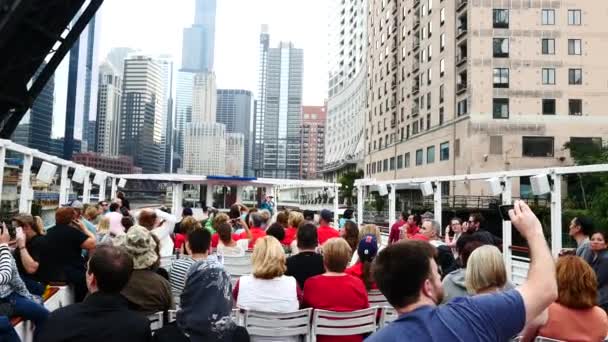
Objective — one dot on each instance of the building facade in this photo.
(142, 111)
(347, 95)
(112, 164)
(460, 87)
(313, 141)
(277, 118)
(235, 154)
(234, 111)
(166, 72)
(109, 99)
(204, 97)
(205, 148)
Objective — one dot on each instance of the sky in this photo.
(155, 27)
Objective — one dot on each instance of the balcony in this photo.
(461, 31)
(415, 66)
(415, 44)
(461, 4)
(393, 123)
(416, 3)
(415, 110)
(415, 89)
(461, 88)
(461, 59)
(416, 22)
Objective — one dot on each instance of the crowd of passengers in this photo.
(450, 288)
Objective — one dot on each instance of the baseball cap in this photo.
(368, 246)
(327, 215)
(76, 204)
(24, 219)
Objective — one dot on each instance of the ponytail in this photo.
(38, 225)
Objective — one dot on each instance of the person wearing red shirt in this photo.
(366, 250)
(335, 290)
(255, 222)
(325, 231)
(395, 233)
(293, 222)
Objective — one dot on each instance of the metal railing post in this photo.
(392, 206)
(506, 229)
(556, 215)
(25, 198)
(360, 205)
(437, 205)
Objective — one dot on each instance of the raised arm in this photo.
(167, 227)
(540, 289)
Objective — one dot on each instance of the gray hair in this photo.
(256, 219)
(436, 227)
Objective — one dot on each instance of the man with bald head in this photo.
(160, 224)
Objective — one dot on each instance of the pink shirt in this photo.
(575, 325)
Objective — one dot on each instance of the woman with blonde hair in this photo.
(104, 236)
(293, 222)
(575, 315)
(267, 288)
(30, 249)
(485, 271)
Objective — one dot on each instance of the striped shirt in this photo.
(179, 273)
(10, 281)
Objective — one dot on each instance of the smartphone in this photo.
(504, 211)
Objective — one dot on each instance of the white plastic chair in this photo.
(237, 266)
(376, 298)
(171, 316)
(331, 323)
(156, 320)
(273, 324)
(388, 315)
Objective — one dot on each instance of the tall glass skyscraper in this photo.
(234, 111)
(277, 120)
(199, 39)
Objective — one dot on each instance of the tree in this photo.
(347, 185)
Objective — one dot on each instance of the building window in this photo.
(574, 47)
(415, 127)
(444, 151)
(441, 93)
(501, 108)
(428, 122)
(462, 108)
(575, 107)
(537, 146)
(575, 76)
(430, 26)
(548, 106)
(429, 74)
(548, 76)
(442, 16)
(442, 67)
(392, 164)
(399, 162)
(428, 101)
(406, 160)
(419, 156)
(501, 18)
(548, 17)
(442, 42)
(501, 47)
(430, 154)
(430, 52)
(441, 115)
(548, 46)
(385, 164)
(501, 78)
(574, 17)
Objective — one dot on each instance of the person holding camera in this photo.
(30, 245)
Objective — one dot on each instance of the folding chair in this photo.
(331, 323)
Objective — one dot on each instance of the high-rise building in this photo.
(235, 154)
(205, 148)
(459, 87)
(313, 141)
(142, 111)
(109, 101)
(199, 39)
(81, 104)
(347, 95)
(112, 164)
(34, 129)
(166, 67)
(204, 97)
(234, 111)
(277, 120)
(117, 57)
(184, 88)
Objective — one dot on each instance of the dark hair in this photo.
(465, 245)
(586, 225)
(147, 218)
(367, 276)
(418, 220)
(401, 269)
(127, 222)
(249, 213)
(601, 233)
(187, 212)
(307, 236)
(235, 211)
(456, 218)
(65, 215)
(282, 218)
(120, 195)
(348, 214)
(405, 215)
(224, 231)
(112, 267)
(256, 219)
(114, 206)
(351, 235)
(309, 215)
(199, 240)
(276, 230)
(477, 217)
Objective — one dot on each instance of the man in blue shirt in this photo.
(406, 273)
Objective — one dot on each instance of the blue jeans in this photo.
(7, 332)
(29, 310)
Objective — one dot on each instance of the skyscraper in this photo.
(234, 111)
(313, 141)
(277, 121)
(142, 111)
(108, 110)
(183, 113)
(204, 98)
(166, 66)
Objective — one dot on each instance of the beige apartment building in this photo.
(470, 86)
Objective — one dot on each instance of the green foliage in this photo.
(347, 185)
(379, 202)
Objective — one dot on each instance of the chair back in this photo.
(331, 323)
(237, 266)
(156, 320)
(376, 298)
(546, 339)
(273, 324)
(388, 315)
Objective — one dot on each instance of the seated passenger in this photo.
(291, 232)
(197, 247)
(350, 233)
(307, 263)
(486, 271)
(454, 282)
(367, 250)
(30, 246)
(187, 225)
(160, 224)
(104, 315)
(325, 231)
(227, 246)
(146, 291)
(256, 222)
(335, 290)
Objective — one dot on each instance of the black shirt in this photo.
(101, 317)
(63, 252)
(35, 247)
(305, 265)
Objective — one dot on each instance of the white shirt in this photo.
(163, 233)
(239, 250)
(269, 295)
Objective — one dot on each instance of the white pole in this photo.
(178, 195)
(506, 229)
(26, 191)
(556, 215)
(64, 186)
(114, 188)
(209, 195)
(102, 190)
(437, 205)
(86, 190)
(2, 160)
(239, 196)
(336, 205)
(392, 205)
(360, 205)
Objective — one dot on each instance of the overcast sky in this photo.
(155, 26)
